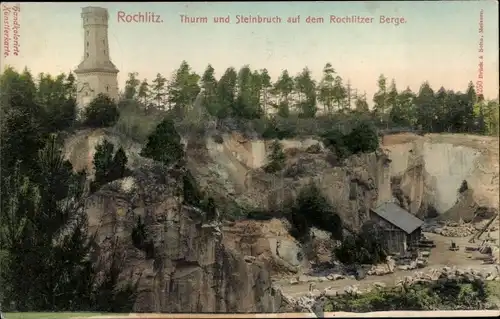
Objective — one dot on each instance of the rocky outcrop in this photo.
(177, 258)
(361, 183)
(268, 242)
(429, 172)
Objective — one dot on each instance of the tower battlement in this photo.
(94, 15)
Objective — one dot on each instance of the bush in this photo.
(108, 167)
(134, 122)
(101, 112)
(277, 158)
(453, 295)
(363, 248)
(164, 144)
(334, 140)
(218, 138)
(312, 209)
(362, 139)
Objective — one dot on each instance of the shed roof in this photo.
(398, 217)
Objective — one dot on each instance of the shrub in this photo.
(334, 140)
(362, 139)
(135, 122)
(218, 138)
(164, 144)
(363, 248)
(108, 167)
(453, 295)
(277, 158)
(101, 112)
(310, 209)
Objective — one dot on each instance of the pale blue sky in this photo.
(438, 43)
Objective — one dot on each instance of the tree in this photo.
(380, 98)
(164, 144)
(209, 91)
(360, 104)
(403, 112)
(392, 100)
(226, 93)
(183, 90)
(266, 85)
(101, 112)
(247, 104)
(23, 129)
(48, 247)
(108, 167)
(143, 93)
(159, 91)
(362, 139)
(277, 158)
(326, 94)
(425, 106)
(492, 118)
(119, 164)
(339, 92)
(132, 86)
(283, 88)
(306, 91)
(57, 97)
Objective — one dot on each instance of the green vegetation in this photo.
(101, 112)
(451, 295)
(277, 158)
(362, 138)
(164, 144)
(363, 248)
(108, 167)
(311, 209)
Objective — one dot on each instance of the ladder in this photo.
(479, 233)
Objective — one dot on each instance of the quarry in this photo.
(448, 181)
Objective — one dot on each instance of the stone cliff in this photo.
(450, 175)
(178, 260)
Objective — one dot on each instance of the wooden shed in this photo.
(401, 229)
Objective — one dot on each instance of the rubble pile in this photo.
(314, 298)
(450, 229)
(453, 273)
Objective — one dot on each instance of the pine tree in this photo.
(277, 158)
(164, 144)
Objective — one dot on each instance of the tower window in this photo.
(103, 42)
(104, 51)
(87, 43)
(87, 54)
(86, 93)
(88, 32)
(107, 88)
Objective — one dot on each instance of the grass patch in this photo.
(450, 295)
(54, 315)
(493, 290)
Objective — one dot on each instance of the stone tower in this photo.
(96, 74)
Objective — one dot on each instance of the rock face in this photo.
(429, 173)
(178, 260)
(228, 168)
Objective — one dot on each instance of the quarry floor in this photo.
(440, 257)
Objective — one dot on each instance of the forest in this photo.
(44, 246)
